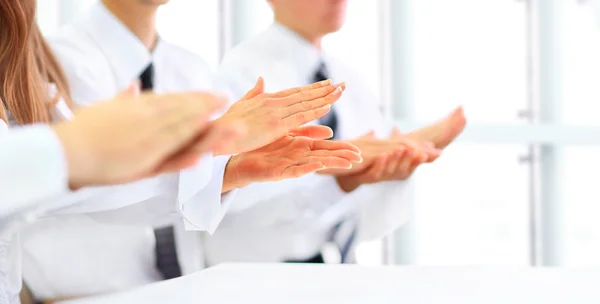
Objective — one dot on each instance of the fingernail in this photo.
(325, 82)
(339, 90)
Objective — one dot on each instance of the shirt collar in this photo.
(305, 56)
(126, 54)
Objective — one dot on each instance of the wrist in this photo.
(78, 159)
(232, 179)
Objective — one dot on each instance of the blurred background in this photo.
(519, 187)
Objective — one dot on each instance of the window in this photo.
(472, 204)
(51, 14)
(194, 25)
(357, 43)
(581, 38)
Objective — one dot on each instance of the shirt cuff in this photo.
(390, 202)
(205, 210)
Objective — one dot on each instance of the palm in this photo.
(268, 117)
(294, 156)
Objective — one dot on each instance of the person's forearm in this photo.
(24, 168)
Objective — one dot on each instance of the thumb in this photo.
(258, 89)
(315, 132)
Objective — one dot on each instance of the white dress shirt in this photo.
(292, 219)
(79, 254)
(31, 158)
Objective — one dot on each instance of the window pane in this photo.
(47, 16)
(581, 65)
(357, 43)
(51, 14)
(472, 207)
(470, 52)
(582, 206)
(194, 25)
(581, 198)
(472, 204)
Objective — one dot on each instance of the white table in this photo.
(297, 283)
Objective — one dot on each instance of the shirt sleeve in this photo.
(380, 208)
(205, 209)
(33, 168)
(161, 201)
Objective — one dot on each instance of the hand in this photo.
(215, 136)
(289, 157)
(133, 136)
(388, 167)
(399, 149)
(394, 158)
(442, 133)
(421, 146)
(268, 117)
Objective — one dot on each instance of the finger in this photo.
(308, 100)
(332, 162)
(408, 161)
(316, 132)
(258, 89)
(328, 162)
(375, 172)
(296, 120)
(333, 145)
(345, 154)
(431, 152)
(412, 168)
(392, 164)
(408, 170)
(292, 91)
(301, 170)
(432, 157)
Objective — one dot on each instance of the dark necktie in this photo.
(147, 78)
(343, 238)
(166, 250)
(330, 119)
